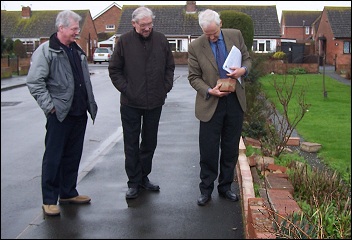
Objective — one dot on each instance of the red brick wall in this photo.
(294, 33)
(111, 16)
(88, 37)
(14, 63)
(279, 67)
(180, 58)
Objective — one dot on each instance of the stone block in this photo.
(279, 175)
(253, 142)
(276, 168)
(278, 183)
(282, 203)
(310, 147)
(262, 161)
(259, 224)
(293, 141)
(251, 160)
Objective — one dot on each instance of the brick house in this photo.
(297, 35)
(333, 38)
(297, 25)
(107, 21)
(35, 27)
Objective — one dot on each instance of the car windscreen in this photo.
(101, 50)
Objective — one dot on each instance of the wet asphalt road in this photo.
(171, 213)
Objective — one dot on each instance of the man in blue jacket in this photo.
(59, 81)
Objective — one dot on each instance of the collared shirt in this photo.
(80, 99)
(221, 45)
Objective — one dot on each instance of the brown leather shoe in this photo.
(80, 199)
(51, 210)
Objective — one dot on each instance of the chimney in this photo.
(26, 12)
(191, 7)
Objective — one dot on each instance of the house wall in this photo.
(180, 58)
(88, 38)
(294, 33)
(111, 16)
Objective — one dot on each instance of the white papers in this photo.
(234, 59)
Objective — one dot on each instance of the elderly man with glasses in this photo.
(142, 69)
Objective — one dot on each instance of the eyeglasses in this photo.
(75, 29)
(145, 25)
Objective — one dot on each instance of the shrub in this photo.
(254, 119)
(240, 21)
(325, 198)
(279, 55)
(296, 71)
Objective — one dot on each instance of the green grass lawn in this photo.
(328, 121)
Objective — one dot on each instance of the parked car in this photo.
(102, 55)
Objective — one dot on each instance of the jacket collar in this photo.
(54, 43)
(141, 37)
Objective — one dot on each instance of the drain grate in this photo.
(7, 104)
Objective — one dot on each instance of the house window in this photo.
(29, 46)
(110, 27)
(307, 30)
(176, 45)
(261, 47)
(268, 46)
(346, 47)
(172, 44)
(255, 42)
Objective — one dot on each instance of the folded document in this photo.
(234, 59)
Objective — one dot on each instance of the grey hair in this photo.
(207, 17)
(66, 17)
(140, 13)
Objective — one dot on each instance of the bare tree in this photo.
(280, 127)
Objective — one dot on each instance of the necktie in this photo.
(220, 59)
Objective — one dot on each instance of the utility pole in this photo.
(304, 31)
(324, 90)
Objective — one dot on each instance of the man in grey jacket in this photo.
(142, 69)
(59, 81)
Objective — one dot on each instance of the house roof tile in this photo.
(296, 18)
(340, 21)
(40, 24)
(173, 20)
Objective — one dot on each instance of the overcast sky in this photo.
(96, 7)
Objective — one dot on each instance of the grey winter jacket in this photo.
(50, 80)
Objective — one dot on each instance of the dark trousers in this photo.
(221, 133)
(63, 151)
(140, 131)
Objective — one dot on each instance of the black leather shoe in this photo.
(149, 186)
(132, 193)
(203, 199)
(229, 195)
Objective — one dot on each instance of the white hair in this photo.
(207, 17)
